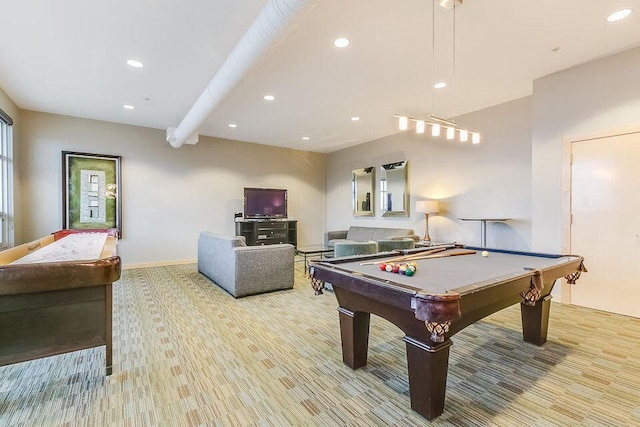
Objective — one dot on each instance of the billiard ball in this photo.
(383, 266)
(389, 267)
(402, 269)
(485, 253)
(395, 268)
(409, 271)
(413, 264)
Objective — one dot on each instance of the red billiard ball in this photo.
(396, 268)
(383, 266)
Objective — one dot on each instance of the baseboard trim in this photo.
(158, 264)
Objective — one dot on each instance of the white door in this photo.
(605, 229)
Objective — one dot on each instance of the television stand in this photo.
(268, 231)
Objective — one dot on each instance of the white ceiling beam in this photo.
(275, 21)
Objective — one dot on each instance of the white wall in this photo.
(594, 98)
(168, 195)
(492, 179)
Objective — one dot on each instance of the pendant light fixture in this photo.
(437, 123)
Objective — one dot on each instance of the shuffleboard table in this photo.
(55, 295)
(445, 294)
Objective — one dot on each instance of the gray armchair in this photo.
(245, 270)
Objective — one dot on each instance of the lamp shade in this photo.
(428, 206)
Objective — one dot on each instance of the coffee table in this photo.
(310, 250)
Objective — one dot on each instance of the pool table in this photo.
(449, 291)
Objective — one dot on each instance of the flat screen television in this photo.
(265, 203)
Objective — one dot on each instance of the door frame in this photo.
(567, 149)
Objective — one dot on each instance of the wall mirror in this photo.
(394, 189)
(362, 187)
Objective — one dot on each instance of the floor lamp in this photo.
(427, 207)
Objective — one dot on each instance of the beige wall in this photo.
(168, 194)
(599, 97)
(492, 179)
(517, 171)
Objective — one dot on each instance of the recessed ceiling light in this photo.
(269, 97)
(306, 138)
(355, 118)
(621, 14)
(232, 125)
(128, 107)
(341, 42)
(134, 63)
(440, 85)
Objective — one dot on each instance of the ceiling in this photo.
(69, 57)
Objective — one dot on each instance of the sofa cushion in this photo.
(363, 234)
(349, 248)
(359, 234)
(388, 233)
(396, 243)
(334, 241)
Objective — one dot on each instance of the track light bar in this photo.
(437, 124)
(443, 121)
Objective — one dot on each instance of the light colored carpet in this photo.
(187, 353)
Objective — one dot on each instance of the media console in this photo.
(268, 231)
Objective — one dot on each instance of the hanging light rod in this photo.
(436, 123)
(430, 118)
(441, 120)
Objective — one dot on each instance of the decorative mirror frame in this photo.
(363, 201)
(401, 170)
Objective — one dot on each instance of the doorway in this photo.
(605, 222)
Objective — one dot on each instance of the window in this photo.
(6, 181)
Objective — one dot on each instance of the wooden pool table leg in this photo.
(535, 320)
(109, 330)
(354, 331)
(427, 367)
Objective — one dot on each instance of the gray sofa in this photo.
(366, 234)
(245, 270)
